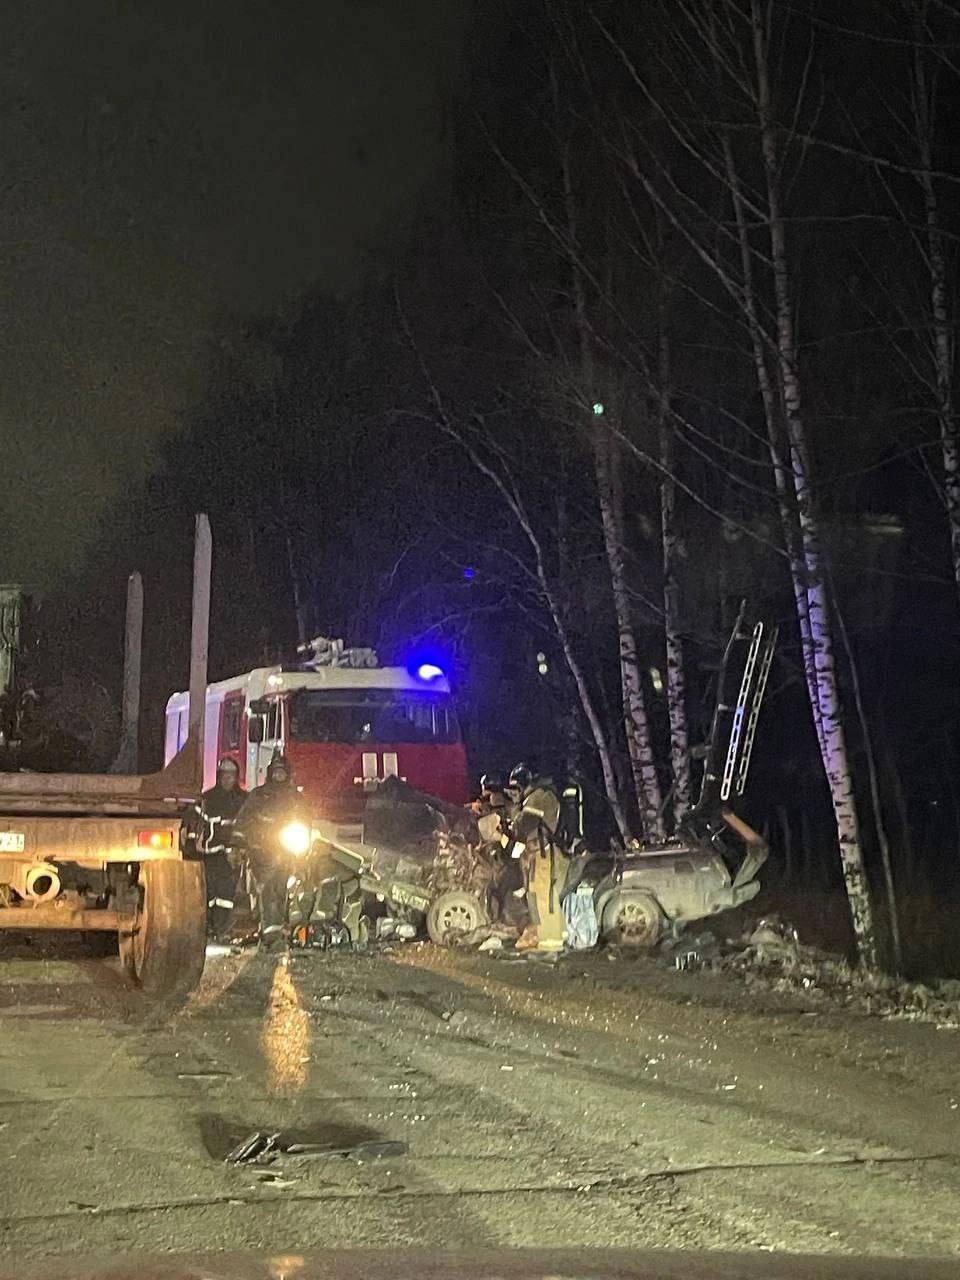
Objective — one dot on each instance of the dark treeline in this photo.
(675, 326)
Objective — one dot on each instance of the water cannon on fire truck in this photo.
(321, 651)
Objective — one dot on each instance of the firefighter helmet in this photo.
(279, 764)
(521, 777)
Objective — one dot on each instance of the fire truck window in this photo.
(232, 718)
(273, 722)
(366, 716)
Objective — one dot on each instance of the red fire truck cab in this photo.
(344, 730)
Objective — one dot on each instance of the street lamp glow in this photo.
(598, 408)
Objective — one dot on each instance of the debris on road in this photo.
(693, 952)
(490, 936)
(360, 1151)
(252, 1149)
(265, 1148)
(771, 955)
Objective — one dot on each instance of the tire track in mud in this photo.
(789, 1202)
(856, 1104)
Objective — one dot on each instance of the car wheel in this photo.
(633, 920)
(453, 915)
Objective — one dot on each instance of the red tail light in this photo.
(155, 839)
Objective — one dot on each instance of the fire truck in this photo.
(345, 723)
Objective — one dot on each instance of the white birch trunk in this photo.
(635, 719)
(673, 642)
(770, 400)
(833, 742)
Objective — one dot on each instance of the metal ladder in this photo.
(735, 723)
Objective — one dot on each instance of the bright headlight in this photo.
(295, 838)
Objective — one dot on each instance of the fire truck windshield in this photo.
(371, 715)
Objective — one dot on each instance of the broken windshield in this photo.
(371, 715)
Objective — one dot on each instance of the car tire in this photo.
(454, 915)
(632, 919)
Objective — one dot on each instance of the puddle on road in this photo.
(221, 1134)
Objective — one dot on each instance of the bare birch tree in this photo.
(833, 740)
(606, 450)
(607, 469)
(735, 36)
(673, 640)
(510, 494)
(914, 132)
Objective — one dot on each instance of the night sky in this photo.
(167, 169)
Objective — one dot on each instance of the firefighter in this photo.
(217, 810)
(533, 840)
(494, 810)
(493, 796)
(259, 824)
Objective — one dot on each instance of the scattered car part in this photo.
(253, 1148)
(359, 1151)
(264, 1147)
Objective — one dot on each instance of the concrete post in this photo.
(128, 755)
(200, 636)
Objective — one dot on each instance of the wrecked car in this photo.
(711, 864)
(642, 894)
(414, 859)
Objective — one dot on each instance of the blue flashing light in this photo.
(469, 574)
(429, 662)
(429, 671)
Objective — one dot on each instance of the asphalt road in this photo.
(583, 1105)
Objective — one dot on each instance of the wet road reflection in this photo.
(285, 1038)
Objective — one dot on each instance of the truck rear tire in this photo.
(164, 951)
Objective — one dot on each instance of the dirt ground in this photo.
(591, 1102)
